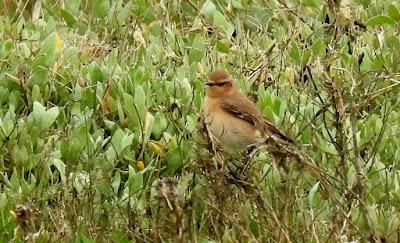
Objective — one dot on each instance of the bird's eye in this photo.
(217, 84)
(221, 84)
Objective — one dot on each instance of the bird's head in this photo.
(219, 83)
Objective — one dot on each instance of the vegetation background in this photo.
(99, 108)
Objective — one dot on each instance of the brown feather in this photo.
(219, 76)
(241, 107)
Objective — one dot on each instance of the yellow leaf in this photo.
(138, 37)
(58, 42)
(153, 146)
(55, 67)
(125, 123)
(140, 165)
(106, 103)
(13, 214)
(147, 121)
(200, 68)
(36, 11)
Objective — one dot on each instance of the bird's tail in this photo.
(273, 130)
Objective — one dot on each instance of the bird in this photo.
(234, 122)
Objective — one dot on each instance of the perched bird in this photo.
(236, 124)
(233, 120)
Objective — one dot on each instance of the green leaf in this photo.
(38, 112)
(135, 180)
(111, 154)
(81, 238)
(8, 45)
(15, 181)
(208, 8)
(393, 42)
(3, 200)
(159, 125)
(68, 18)
(254, 228)
(21, 157)
(130, 109)
(126, 141)
(49, 117)
(100, 8)
(80, 180)
(174, 161)
(48, 51)
(306, 54)
(319, 47)
(6, 49)
(311, 3)
(294, 53)
(120, 237)
(39, 77)
(144, 12)
(7, 123)
(195, 55)
(97, 75)
(312, 199)
(140, 103)
(116, 181)
(380, 20)
(184, 87)
(148, 126)
(351, 176)
(222, 47)
(59, 164)
(221, 21)
(365, 3)
(393, 12)
(197, 51)
(155, 29)
(73, 6)
(277, 107)
(81, 27)
(116, 141)
(306, 136)
(36, 95)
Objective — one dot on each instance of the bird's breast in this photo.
(232, 133)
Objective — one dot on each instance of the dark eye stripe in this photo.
(217, 84)
(221, 84)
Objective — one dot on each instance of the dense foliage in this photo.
(99, 109)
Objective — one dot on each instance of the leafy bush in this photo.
(99, 109)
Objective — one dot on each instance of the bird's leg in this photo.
(218, 158)
(212, 144)
(282, 166)
(219, 161)
(251, 152)
(287, 200)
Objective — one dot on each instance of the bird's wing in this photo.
(243, 108)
